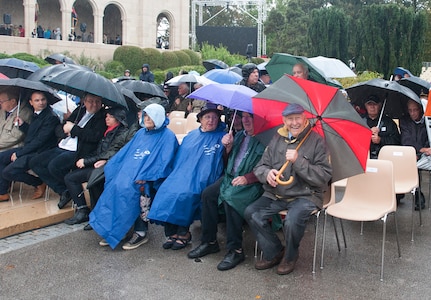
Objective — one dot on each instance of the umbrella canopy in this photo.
(189, 78)
(81, 82)
(402, 71)
(142, 89)
(53, 70)
(3, 76)
(416, 84)
(346, 133)
(282, 63)
(58, 58)
(27, 87)
(332, 67)
(236, 70)
(395, 95)
(17, 68)
(223, 76)
(233, 96)
(210, 64)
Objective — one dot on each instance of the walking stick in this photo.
(290, 180)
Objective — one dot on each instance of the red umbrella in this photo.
(346, 133)
(3, 76)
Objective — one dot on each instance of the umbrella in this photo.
(58, 58)
(236, 70)
(234, 96)
(210, 64)
(189, 78)
(416, 84)
(28, 86)
(395, 94)
(223, 76)
(262, 66)
(332, 67)
(282, 63)
(132, 103)
(81, 82)
(346, 133)
(143, 89)
(53, 70)
(402, 71)
(17, 68)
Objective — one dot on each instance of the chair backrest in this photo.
(177, 125)
(177, 114)
(374, 188)
(192, 124)
(405, 171)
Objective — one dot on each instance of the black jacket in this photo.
(39, 134)
(90, 135)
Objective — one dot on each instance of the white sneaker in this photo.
(103, 243)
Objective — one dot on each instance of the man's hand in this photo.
(99, 163)
(13, 157)
(67, 127)
(80, 163)
(270, 178)
(227, 141)
(375, 138)
(240, 180)
(291, 155)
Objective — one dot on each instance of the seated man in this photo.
(10, 134)
(80, 135)
(309, 165)
(39, 136)
(235, 190)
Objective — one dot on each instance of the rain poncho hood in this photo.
(156, 112)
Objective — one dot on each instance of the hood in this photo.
(157, 113)
(146, 66)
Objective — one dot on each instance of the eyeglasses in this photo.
(3, 101)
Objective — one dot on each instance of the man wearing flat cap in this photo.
(385, 133)
(311, 171)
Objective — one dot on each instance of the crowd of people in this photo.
(214, 175)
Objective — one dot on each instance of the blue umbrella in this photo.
(17, 68)
(223, 76)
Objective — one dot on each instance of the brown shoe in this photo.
(266, 264)
(39, 191)
(4, 197)
(286, 267)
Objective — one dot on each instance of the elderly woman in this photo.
(198, 164)
(147, 158)
(113, 139)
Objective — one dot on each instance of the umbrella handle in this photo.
(290, 180)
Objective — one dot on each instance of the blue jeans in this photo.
(258, 214)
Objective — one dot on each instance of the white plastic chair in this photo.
(178, 125)
(177, 114)
(406, 175)
(368, 197)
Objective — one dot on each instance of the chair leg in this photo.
(413, 215)
(383, 246)
(362, 228)
(396, 231)
(323, 239)
(316, 226)
(336, 235)
(344, 235)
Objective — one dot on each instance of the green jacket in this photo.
(239, 197)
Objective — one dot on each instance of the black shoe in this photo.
(81, 216)
(231, 260)
(64, 199)
(88, 227)
(204, 249)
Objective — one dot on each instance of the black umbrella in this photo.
(81, 82)
(236, 70)
(163, 102)
(210, 64)
(394, 95)
(27, 87)
(142, 89)
(58, 58)
(133, 103)
(53, 70)
(416, 84)
(17, 68)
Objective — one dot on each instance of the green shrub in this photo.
(130, 57)
(221, 53)
(107, 75)
(195, 58)
(115, 67)
(151, 56)
(169, 60)
(30, 58)
(4, 55)
(183, 58)
(159, 76)
(364, 76)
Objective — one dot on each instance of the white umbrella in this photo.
(332, 67)
(189, 78)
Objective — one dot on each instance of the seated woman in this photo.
(112, 141)
(198, 164)
(148, 158)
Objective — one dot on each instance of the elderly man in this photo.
(235, 190)
(40, 135)
(309, 165)
(10, 134)
(181, 102)
(383, 133)
(250, 78)
(300, 71)
(80, 136)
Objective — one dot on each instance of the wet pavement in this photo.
(65, 262)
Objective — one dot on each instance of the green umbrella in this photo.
(282, 63)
